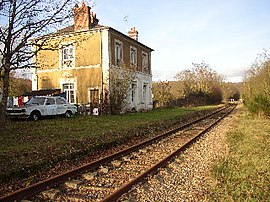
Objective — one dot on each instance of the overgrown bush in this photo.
(162, 94)
(260, 105)
(201, 84)
(257, 85)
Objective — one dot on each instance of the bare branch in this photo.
(21, 21)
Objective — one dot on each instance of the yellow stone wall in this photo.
(87, 51)
(87, 71)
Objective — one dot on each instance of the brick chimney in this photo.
(84, 19)
(133, 33)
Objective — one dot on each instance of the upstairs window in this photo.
(145, 65)
(68, 56)
(133, 56)
(118, 52)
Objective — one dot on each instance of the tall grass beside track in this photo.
(244, 175)
(27, 146)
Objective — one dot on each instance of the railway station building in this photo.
(83, 57)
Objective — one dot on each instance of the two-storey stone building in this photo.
(86, 52)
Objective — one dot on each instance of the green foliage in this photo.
(19, 86)
(244, 174)
(231, 90)
(257, 85)
(260, 104)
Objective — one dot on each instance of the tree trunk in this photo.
(2, 116)
(3, 103)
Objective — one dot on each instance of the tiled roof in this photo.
(71, 28)
(66, 29)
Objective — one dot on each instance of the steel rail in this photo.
(125, 188)
(47, 183)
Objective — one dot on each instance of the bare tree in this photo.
(120, 80)
(162, 93)
(201, 80)
(186, 81)
(21, 22)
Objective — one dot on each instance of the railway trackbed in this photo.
(110, 177)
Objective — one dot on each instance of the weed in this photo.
(244, 174)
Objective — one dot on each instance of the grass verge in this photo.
(244, 175)
(27, 146)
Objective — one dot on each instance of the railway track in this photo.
(108, 178)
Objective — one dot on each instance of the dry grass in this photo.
(244, 175)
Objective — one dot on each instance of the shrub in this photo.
(259, 105)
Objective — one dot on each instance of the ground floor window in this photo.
(133, 92)
(69, 90)
(144, 93)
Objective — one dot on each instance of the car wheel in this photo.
(68, 114)
(35, 116)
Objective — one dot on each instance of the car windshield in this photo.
(36, 101)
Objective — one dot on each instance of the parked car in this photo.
(41, 106)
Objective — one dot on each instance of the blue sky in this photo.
(226, 34)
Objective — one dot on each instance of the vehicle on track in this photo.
(43, 106)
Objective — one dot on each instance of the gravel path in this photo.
(187, 178)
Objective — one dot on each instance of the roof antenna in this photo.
(126, 21)
(94, 4)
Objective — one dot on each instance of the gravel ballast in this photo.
(188, 177)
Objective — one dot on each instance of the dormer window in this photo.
(67, 56)
(118, 52)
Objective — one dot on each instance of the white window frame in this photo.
(145, 62)
(133, 56)
(144, 93)
(67, 56)
(68, 90)
(118, 52)
(133, 93)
